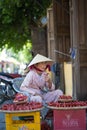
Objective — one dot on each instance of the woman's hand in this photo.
(46, 76)
(48, 80)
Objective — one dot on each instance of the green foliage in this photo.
(23, 56)
(17, 18)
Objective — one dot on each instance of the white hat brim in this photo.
(39, 58)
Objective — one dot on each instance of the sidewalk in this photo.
(2, 121)
(2, 118)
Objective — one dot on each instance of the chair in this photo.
(17, 83)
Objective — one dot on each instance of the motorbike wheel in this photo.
(1, 99)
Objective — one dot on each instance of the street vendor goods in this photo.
(68, 105)
(19, 107)
(65, 98)
(20, 98)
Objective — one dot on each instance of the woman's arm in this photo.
(26, 85)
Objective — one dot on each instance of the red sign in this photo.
(69, 120)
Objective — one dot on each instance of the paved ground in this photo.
(2, 122)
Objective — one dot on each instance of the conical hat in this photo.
(39, 58)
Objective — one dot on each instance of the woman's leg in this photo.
(36, 99)
(52, 96)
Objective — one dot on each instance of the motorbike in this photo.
(9, 86)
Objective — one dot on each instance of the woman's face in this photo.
(41, 65)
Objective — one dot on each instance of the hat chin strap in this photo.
(33, 66)
(38, 69)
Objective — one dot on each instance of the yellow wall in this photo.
(68, 78)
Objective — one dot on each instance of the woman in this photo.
(38, 83)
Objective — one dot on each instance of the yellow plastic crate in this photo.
(16, 121)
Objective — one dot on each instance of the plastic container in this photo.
(23, 121)
(69, 119)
